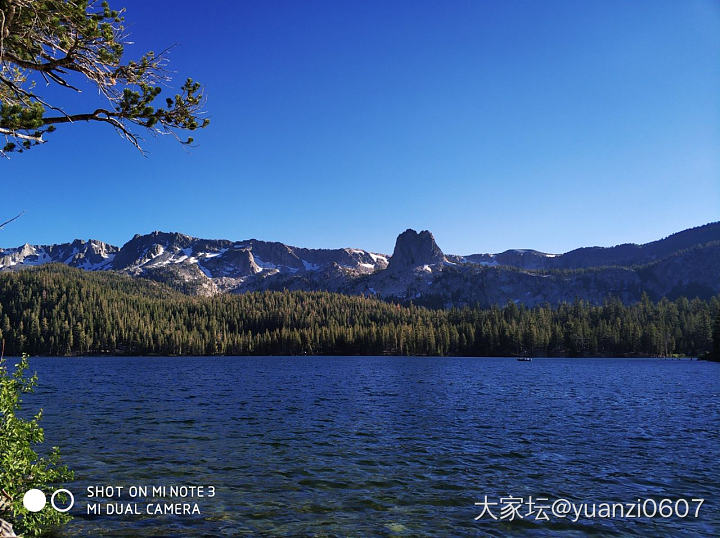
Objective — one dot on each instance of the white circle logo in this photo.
(34, 500)
(69, 506)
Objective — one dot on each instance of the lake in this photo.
(383, 446)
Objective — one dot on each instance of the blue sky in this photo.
(496, 125)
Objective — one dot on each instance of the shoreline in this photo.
(389, 356)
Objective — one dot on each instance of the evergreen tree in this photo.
(58, 310)
(80, 45)
(715, 355)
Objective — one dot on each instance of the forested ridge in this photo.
(57, 310)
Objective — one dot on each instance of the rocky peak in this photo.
(141, 248)
(413, 249)
(234, 262)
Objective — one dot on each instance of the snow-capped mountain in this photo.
(204, 266)
(219, 258)
(89, 255)
(686, 263)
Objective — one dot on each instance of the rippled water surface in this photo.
(384, 446)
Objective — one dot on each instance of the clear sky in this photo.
(494, 124)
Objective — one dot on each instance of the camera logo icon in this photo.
(34, 500)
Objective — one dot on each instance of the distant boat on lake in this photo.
(524, 359)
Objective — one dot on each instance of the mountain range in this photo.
(684, 264)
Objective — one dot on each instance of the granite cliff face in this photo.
(686, 263)
(413, 249)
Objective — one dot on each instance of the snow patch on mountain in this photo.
(310, 266)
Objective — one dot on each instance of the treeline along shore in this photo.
(57, 310)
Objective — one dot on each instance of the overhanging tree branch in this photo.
(72, 43)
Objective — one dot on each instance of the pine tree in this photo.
(715, 355)
(79, 45)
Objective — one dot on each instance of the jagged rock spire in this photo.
(413, 249)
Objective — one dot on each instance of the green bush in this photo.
(21, 468)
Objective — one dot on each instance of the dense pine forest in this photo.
(57, 310)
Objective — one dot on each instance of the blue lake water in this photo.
(385, 446)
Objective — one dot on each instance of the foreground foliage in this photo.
(21, 468)
(79, 45)
(57, 310)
